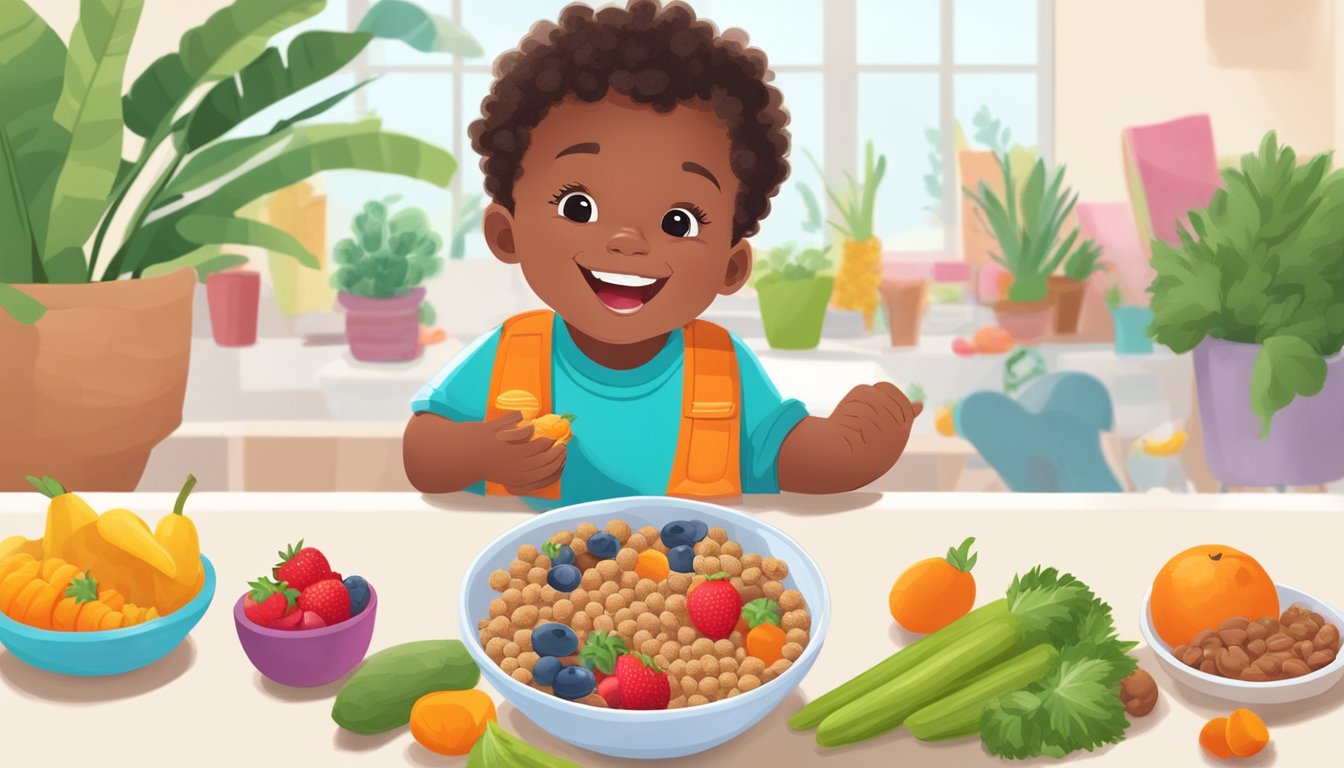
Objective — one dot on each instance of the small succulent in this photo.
(1113, 296)
(786, 262)
(389, 254)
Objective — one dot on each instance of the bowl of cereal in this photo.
(1259, 659)
(644, 627)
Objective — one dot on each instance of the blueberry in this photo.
(603, 546)
(681, 559)
(564, 557)
(676, 533)
(552, 639)
(574, 682)
(701, 530)
(545, 670)
(564, 578)
(359, 594)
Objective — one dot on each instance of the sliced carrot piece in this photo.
(1246, 733)
(19, 608)
(91, 617)
(1213, 738)
(40, 609)
(114, 599)
(111, 620)
(15, 581)
(63, 617)
(50, 565)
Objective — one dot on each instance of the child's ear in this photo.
(739, 268)
(498, 227)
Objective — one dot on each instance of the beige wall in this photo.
(1253, 65)
(162, 23)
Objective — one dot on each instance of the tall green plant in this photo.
(856, 202)
(1027, 224)
(1082, 263)
(63, 179)
(1262, 264)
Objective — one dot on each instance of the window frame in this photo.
(840, 70)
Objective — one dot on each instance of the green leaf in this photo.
(18, 253)
(357, 146)
(1048, 604)
(204, 229)
(423, 31)
(89, 109)
(19, 305)
(227, 41)
(268, 79)
(1286, 367)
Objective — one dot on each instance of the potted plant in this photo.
(1255, 287)
(1131, 324)
(379, 274)
(1070, 288)
(1027, 222)
(96, 351)
(793, 292)
(860, 271)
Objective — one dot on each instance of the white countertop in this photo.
(205, 705)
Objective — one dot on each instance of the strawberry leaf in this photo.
(647, 661)
(287, 555)
(601, 650)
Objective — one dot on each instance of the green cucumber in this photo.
(379, 696)
(958, 715)
(887, 707)
(904, 660)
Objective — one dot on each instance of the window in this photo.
(911, 75)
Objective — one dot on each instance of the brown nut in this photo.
(1272, 666)
(1139, 693)
(1326, 637)
(1298, 631)
(1303, 650)
(1208, 667)
(1279, 642)
(1256, 631)
(1254, 674)
(1210, 651)
(1231, 661)
(1320, 658)
(1295, 668)
(1204, 637)
(1231, 637)
(1256, 648)
(1270, 624)
(1236, 622)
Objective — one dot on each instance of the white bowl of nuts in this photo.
(1259, 660)
(644, 627)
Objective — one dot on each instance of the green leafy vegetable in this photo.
(497, 748)
(1286, 367)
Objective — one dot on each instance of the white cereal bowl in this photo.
(1242, 691)
(646, 734)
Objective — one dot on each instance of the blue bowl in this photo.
(648, 734)
(110, 651)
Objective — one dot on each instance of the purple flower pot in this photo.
(1306, 440)
(304, 658)
(383, 330)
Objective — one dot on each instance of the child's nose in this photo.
(628, 242)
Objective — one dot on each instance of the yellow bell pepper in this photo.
(177, 534)
(125, 530)
(66, 514)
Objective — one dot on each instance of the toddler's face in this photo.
(623, 217)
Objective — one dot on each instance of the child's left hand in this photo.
(861, 440)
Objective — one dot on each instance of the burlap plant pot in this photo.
(89, 389)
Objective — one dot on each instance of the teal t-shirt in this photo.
(627, 421)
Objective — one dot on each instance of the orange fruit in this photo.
(652, 565)
(1213, 738)
(1246, 733)
(1204, 586)
(943, 421)
(556, 427)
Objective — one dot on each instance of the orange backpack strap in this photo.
(523, 361)
(708, 462)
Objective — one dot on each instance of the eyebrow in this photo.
(701, 170)
(587, 148)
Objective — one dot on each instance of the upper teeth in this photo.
(630, 281)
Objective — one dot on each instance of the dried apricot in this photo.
(1246, 733)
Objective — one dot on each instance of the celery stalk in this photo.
(958, 715)
(904, 660)
(888, 706)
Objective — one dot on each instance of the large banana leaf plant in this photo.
(63, 117)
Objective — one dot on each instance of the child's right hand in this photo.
(516, 461)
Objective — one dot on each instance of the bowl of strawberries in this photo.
(305, 625)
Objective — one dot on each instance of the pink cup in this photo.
(233, 296)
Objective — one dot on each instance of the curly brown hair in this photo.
(653, 54)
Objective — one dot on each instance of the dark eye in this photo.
(579, 207)
(679, 222)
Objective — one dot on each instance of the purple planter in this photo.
(383, 330)
(1306, 440)
(304, 658)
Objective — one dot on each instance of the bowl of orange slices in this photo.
(101, 594)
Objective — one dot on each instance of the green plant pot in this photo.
(794, 310)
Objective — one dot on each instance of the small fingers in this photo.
(518, 434)
(509, 419)
(540, 475)
(894, 394)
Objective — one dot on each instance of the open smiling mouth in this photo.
(621, 293)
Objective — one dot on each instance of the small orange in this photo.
(652, 564)
(935, 592)
(1246, 733)
(556, 427)
(943, 421)
(1213, 738)
(1204, 586)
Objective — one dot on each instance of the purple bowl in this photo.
(308, 657)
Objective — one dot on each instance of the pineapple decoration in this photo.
(860, 270)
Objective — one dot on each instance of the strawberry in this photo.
(291, 620)
(610, 691)
(311, 621)
(268, 601)
(302, 566)
(329, 599)
(714, 607)
(642, 685)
